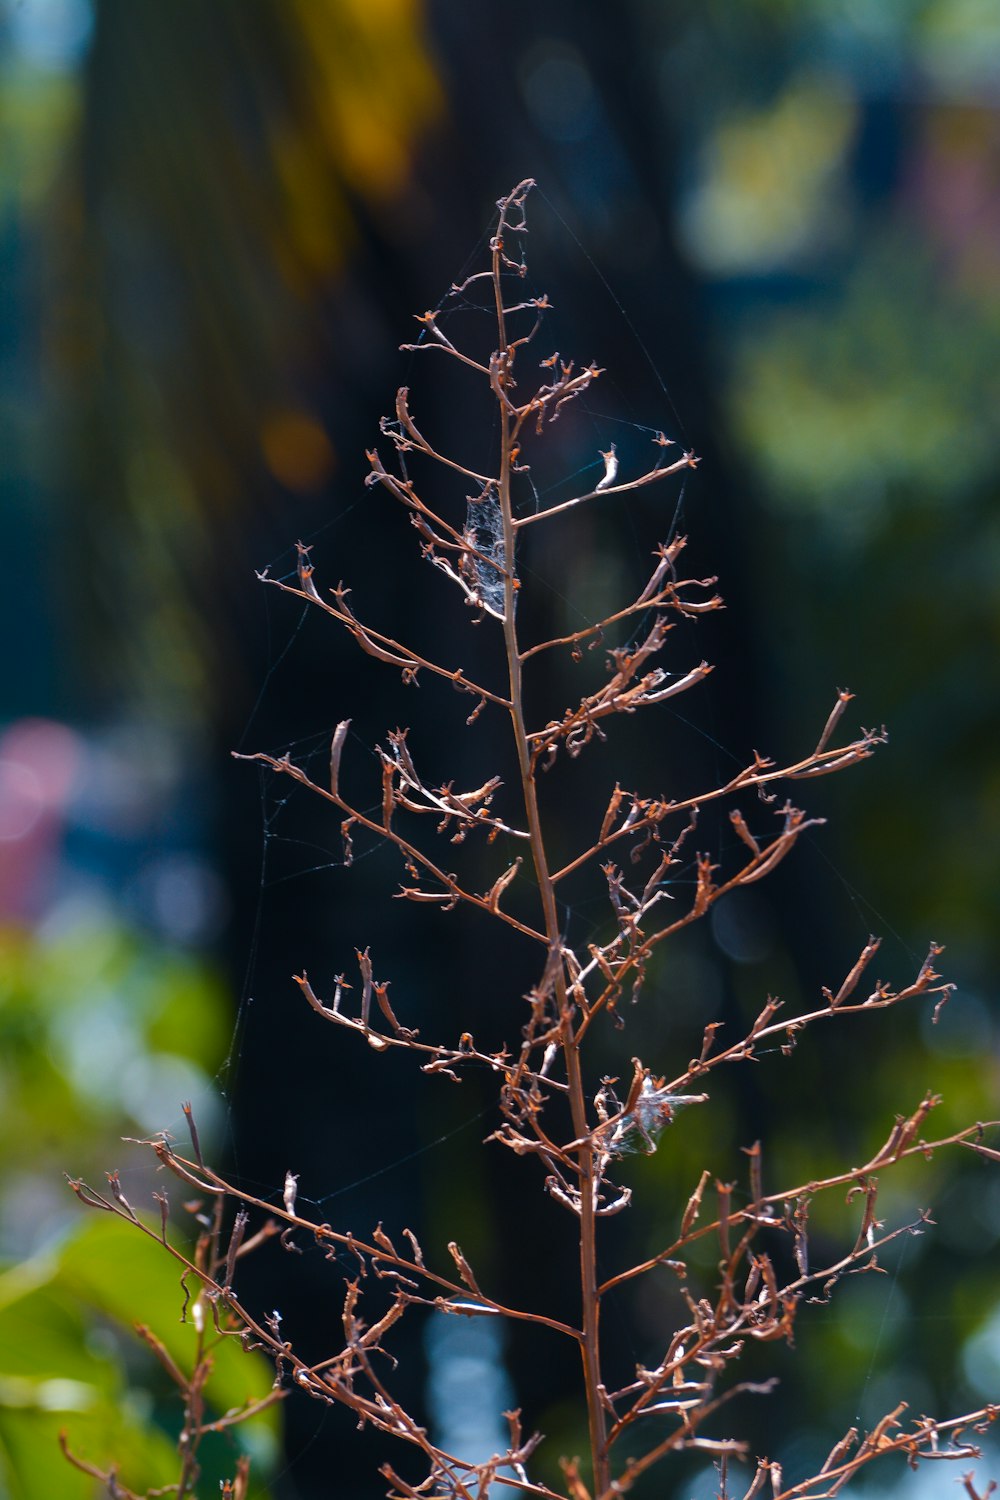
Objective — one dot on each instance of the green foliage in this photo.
(71, 1361)
(900, 363)
(102, 1031)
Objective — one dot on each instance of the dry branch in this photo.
(557, 1107)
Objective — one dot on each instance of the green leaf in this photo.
(70, 1360)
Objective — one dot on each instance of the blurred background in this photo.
(778, 227)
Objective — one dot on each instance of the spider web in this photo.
(289, 857)
(304, 858)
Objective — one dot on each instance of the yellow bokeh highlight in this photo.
(297, 451)
(768, 189)
(374, 87)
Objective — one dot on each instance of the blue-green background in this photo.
(778, 226)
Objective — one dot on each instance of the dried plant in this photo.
(558, 1109)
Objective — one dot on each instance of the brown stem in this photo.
(590, 1296)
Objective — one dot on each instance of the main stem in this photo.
(555, 971)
